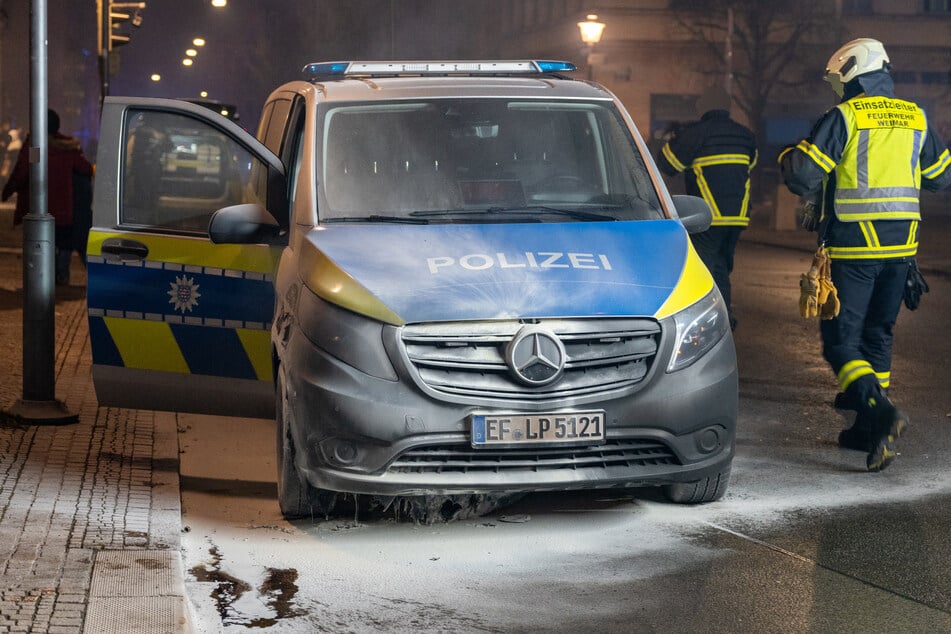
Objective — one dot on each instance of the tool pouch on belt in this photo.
(915, 286)
(817, 295)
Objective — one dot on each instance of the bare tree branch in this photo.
(768, 43)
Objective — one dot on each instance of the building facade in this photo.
(657, 56)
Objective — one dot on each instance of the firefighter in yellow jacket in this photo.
(867, 160)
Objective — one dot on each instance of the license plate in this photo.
(537, 429)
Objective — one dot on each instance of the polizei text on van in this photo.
(524, 260)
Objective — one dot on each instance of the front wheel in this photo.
(292, 491)
(699, 492)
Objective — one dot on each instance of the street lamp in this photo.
(591, 31)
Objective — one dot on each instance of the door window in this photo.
(177, 171)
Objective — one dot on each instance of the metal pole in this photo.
(38, 229)
(39, 404)
(105, 33)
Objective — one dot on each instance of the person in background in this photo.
(716, 155)
(9, 146)
(64, 158)
(82, 213)
(5, 126)
(867, 160)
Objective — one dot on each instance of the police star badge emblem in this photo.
(184, 293)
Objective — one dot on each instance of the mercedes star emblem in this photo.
(535, 356)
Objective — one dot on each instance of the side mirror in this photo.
(249, 223)
(694, 213)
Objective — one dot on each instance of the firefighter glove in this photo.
(809, 293)
(915, 286)
(829, 308)
(828, 295)
(817, 294)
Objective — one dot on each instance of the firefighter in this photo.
(716, 155)
(866, 161)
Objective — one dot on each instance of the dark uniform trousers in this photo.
(716, 246)
(870, 294)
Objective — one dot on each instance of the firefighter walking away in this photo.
(867, 160)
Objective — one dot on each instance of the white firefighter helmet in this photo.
(860, 56)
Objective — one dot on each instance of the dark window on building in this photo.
(937, 6)
(905, 77)
(939, 77)
(783, 131)
(857, 7)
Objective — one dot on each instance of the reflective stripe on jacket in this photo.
(719, 153)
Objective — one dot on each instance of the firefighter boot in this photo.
(858, 436)
(843, 400)
(848, 400)
(888, 424)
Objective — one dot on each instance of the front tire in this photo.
(699, 492)
(292, 491)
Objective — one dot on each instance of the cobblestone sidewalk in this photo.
(89, 512)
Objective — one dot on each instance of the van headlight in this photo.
(354, 339)
(699, 327)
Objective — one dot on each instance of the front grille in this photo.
(468, 359)
(465, 459)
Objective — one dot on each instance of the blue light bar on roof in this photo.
(501, 67)
(327, 68)
(555, 67)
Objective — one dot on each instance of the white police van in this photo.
(451, 281)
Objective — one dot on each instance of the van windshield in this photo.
(480, 160)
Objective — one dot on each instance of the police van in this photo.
(445, 280)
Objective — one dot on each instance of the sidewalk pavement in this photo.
(90, 513)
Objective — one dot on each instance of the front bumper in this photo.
(360, 434)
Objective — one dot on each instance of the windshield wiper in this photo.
(378, 218)
(524, 209)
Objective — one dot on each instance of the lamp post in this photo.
(591, 31)
(39, 404)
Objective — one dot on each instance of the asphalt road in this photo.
(804, 541)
